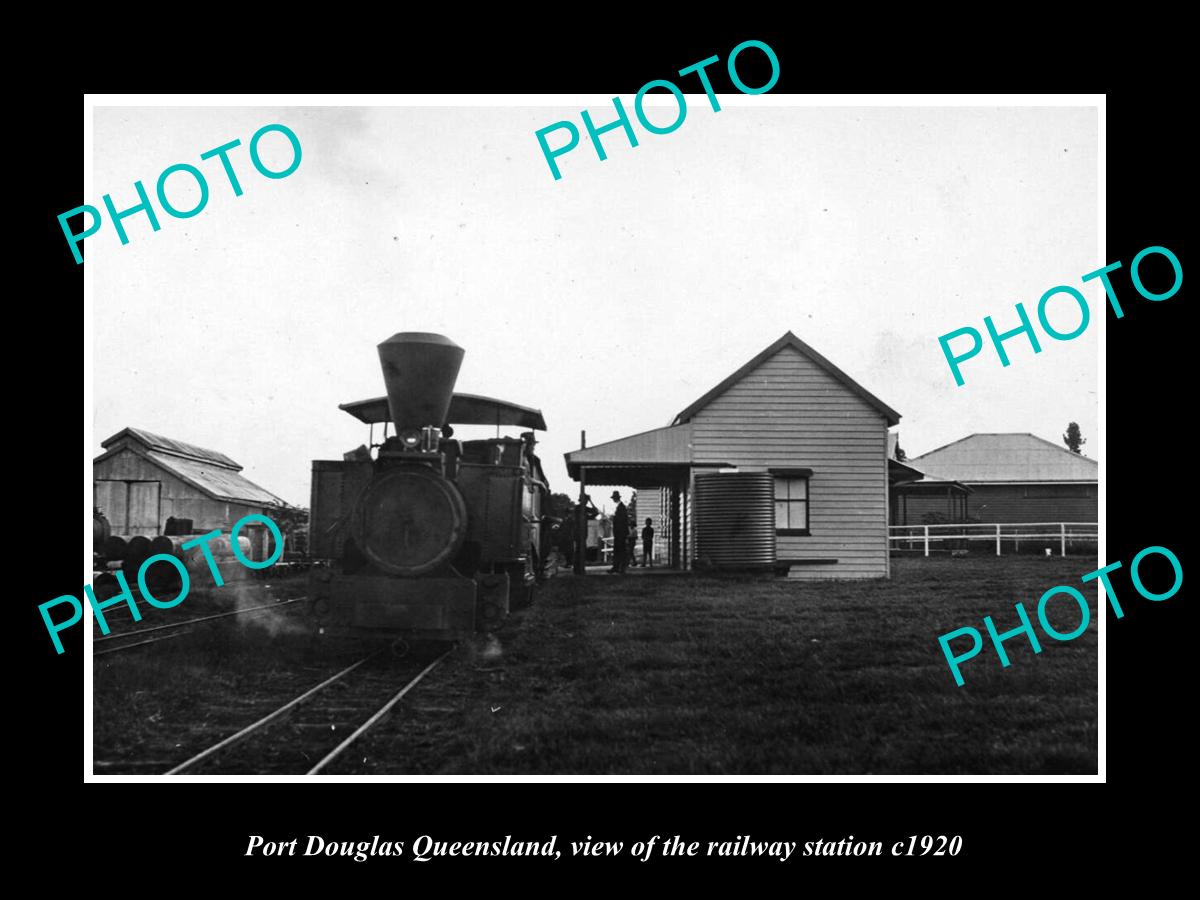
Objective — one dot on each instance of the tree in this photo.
(560, 506)
(1073, 439)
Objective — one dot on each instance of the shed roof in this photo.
(218, 482)
(213, 473)
(789, 340)
(170, 445)
(1007, 458)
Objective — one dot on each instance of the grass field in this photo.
(705, 675)
(690, 674)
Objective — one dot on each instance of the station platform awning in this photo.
(659, 459)
(662, 457)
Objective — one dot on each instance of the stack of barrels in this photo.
(127, 553)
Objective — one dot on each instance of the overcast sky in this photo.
(610, 299)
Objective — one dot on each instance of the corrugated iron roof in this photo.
(661, 447)
(207, 470)
(219, 482)
(672, 444)
(1006, 457)
(168, 445)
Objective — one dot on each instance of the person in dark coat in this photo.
(648, 544)
(620, 524)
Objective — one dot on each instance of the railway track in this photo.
(124, 640)
(335, 713)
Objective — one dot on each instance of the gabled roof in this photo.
(215, 474)
(789, 340)
(1010, 457)
(169, 445)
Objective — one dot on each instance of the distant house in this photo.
(142, 479)
(788, 411)
(1012, 477)
(929, 498)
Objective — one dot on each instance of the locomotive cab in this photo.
(430, 537)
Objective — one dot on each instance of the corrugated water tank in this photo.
(734, 521)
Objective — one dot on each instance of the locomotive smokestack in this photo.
(419, 370)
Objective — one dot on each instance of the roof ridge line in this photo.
(788, 339)
(236, 467)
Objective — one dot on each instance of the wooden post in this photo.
(581, 525)
(1062, 531)
(926, 540)
(687, 523)
(676, 528)
(997, 538)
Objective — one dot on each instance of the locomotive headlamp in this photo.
(411, 437)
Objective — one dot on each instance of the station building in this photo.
(791, 413)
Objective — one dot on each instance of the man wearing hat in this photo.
(620, 524)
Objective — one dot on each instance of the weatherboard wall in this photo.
(1034, 503)
(120, 475)
(789, 412)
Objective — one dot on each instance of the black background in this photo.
(1005, 827)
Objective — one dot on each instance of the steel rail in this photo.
(379, 715)
(236, 612)
(165, 637)
(271, 717)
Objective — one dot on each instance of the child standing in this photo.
(648, 544)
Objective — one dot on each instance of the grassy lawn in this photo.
(643, 675)
(691, 674)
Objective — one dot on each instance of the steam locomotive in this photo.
(432, 538)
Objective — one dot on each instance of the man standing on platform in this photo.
(620, 523)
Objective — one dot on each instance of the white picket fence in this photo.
(919, 537)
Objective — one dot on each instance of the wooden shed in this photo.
(1013, 477)
(791, 412)
(142, 479)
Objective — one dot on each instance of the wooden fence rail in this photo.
(913, 537)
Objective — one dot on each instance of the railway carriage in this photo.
(429, 537)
